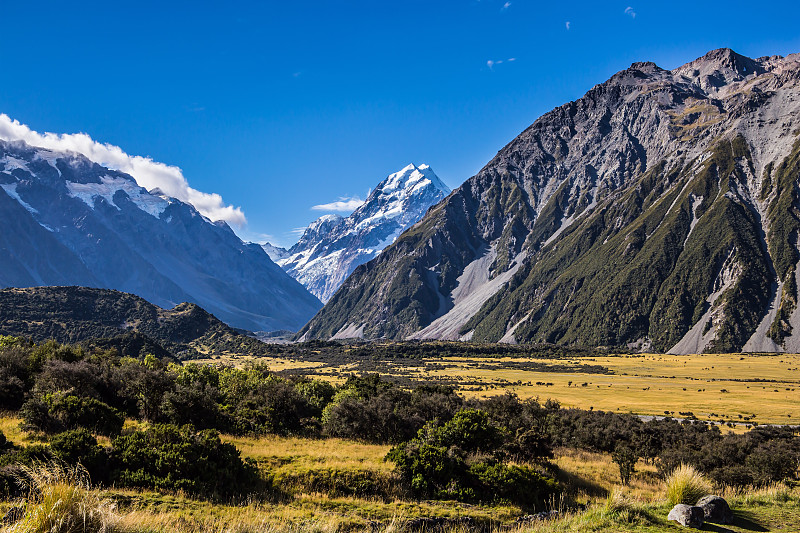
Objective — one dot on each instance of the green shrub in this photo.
(167, 457)
(78, 446)
(512, 483)
(462, 460)
(60, 411)
(625, 457)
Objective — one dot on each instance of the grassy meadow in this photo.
(737, 388)
(329, 484)
(592, 501)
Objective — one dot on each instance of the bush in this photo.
(14, 376)
(625, 457)
(462, 460)
(60, 411)
(512, 483)
(686, 485)
(78, 446)
(166, 457)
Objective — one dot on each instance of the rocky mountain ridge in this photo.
(69, 221)
(333, 246)
(659, 211)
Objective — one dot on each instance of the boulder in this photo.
(687, 515)
(715, 509)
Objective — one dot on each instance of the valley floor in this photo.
(591, 482)
(736, 389)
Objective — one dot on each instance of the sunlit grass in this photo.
(60, 500)
(686, 485)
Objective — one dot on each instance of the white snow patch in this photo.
(12, 163)
(50, 157)
(11, 190)
(88, 192)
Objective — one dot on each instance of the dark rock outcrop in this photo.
(715, 509)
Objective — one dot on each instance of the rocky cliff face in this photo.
(658, 211)
(333, 246)
(68, 221)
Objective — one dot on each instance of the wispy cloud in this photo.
(629, 11)
(494, 62)
(505, 6)
(343, 204)
(147, 173)
(567, 25)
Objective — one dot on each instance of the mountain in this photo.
(68, 221)
(657, 212)
(333, 246)
(111, 318)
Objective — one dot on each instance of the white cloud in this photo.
(493, 62)
(567, 25)
(629, 11)
(506, 5)
(343, 204)
(147, 173)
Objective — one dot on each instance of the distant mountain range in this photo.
(68, 221)
(658, 212)
(333, 246)
(108, 318)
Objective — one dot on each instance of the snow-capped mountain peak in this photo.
(333, 246)
(69, 221)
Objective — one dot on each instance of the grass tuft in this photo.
(60, 501)
(686, 485)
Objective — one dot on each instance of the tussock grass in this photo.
(619, 501)
(60, 500)
(686, 485)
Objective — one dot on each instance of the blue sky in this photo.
(280, 106)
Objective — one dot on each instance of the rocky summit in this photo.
(657, 212)
(69, 221)
(333, 246)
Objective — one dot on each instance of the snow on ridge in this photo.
(12, 163)
(88, 192)
(11, 190)
(332, 246)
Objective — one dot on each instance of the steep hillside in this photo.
(333, 246)
(659, 211)
(78, 314)
(68, 221)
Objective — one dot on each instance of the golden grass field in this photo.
(718, 387)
